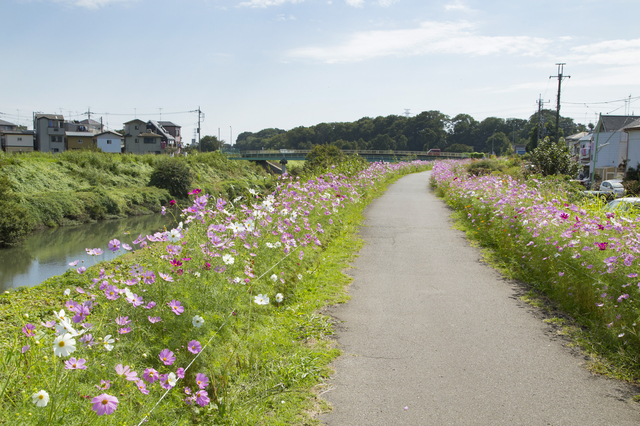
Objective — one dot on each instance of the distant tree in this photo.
(210, 143)
(499, 142)
(323, 156)
(458, 147)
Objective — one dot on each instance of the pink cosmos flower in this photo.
(202, 381)
(175, 307)
(29, 330)
(104, 384)
(74, 263)
(142, 387)
(195, 191)
(172, 202)
(75, 364)
(202, 398)
(114, 245)
(180, 372)
(124, 330)
(81, 270)
(154, 320)
(112, 292)
(150, 375)
(167, 357)
(194, 347)
(150, 305)
(121, 321)
(126, 246)
(126, 371)
(135, 300)
(166, 277)
(25, 348)
(104, 404)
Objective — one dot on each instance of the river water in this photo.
(47, 253)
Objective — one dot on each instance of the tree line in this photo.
(427, 130)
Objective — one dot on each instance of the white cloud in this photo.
(267, 3)
(428, 38)
(610, 53)
(92, 4)
(457, 5)
(355, 3)
(386, 3)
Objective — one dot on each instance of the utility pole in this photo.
(559, 77)
(199, 114)
(230, 136)
(89, 114)
(540, 108)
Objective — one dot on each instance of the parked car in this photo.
(614, 186)
(624, 204)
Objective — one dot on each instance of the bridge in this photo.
(369, 155)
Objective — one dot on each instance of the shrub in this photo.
(15, 221)
(483, 167)
(551, 158)
(323, 156)
(173, 175)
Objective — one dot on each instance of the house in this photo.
(573, 143)
(132, 140)
(5, 125)
(92, 126)
(80, 140)
(109, 141)
(168, 139)
(151, 143)
(633, 145)
(14, 140)
(173, 130)
(49, 129)
(609, 147)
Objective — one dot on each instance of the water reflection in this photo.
(47, 253)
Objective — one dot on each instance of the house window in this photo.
(137, 140)
(19, 139)
(56, 138)
(149, 140)
(108, 141)
(177, 132)
(136, 127)
(79, 140)
(55, 150)
(50, 123)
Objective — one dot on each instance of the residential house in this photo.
(109, 141)
(92, 126)
(151, 143)
(168, 140)
(80, 140)
(573, 143)
(610, 144)
(174, 130)
(633, 145)
(14, 140)
(5, 125)
(132, 141)
(49, 129)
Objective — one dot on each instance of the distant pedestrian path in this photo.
(432, 336)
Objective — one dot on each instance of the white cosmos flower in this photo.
(197, 321)
(128, 293)
(269, 245)
(237, 280)
(41, 399)
(274, 277)
(172, 379)
(228, 259)
(197, 274)
(67, 292)
(299, 276)
(107, 342)
(279, 297)
(261, 299)
(174, 236)
(60, 315)
(64, 345)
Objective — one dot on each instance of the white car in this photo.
(624, 204)
(614, 186)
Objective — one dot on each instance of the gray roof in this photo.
(635, 125)
(110, 132)
(135, 119)
(17, 132)
(162, 130)
(6, 123)
(167, 124)
(576, 137)
(90, 122)
(616, 123)
(50, 116)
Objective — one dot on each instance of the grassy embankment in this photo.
(79, 186)
(579, 260)
(252, 361)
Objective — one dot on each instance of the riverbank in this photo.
(222, 311)
(48, 190)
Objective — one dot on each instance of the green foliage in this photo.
(484, 167)
(551, 158)
(209, 144)
(15, 222)
(323, 156)
(458, 147)
(173, 175)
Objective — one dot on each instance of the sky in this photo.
(255, 64)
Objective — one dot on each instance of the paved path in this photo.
(432, 336)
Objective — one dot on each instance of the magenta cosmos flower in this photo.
(114, 245)
(29, 330)
(175, 307)
(104, 404)
(75, 364)
(194, 347)
(150, 375)
(202, 381)
(167, 357)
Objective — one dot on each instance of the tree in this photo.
(210, 143)
(498, 143)
(323, 156)
(551, 158)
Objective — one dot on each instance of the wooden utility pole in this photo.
(559, 77)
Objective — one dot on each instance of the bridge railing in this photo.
(362, 152)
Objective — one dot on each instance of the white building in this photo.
(110, 141)
(609, 146)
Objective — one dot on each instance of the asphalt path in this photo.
(433, 336)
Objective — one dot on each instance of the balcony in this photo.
(55, 131)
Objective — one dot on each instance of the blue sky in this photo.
(253, 64)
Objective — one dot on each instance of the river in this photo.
(48, 252)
